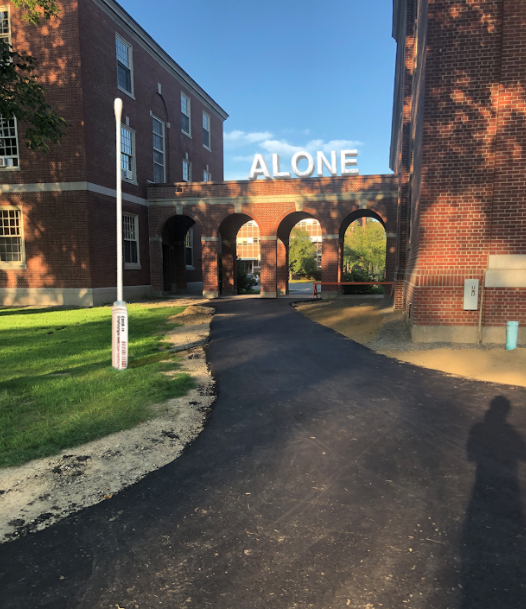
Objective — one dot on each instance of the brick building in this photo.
(248, 249)
(57, 211)
(459, 150)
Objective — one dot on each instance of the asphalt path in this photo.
(327, 477)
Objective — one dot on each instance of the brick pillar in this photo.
(209, 259)
(330, 262)
(390, 265)
(268, 248)
(283, 268)
(179, 260)
(228, 249)
(156, 265)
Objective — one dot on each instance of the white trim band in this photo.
(360, 196)
(69, 187)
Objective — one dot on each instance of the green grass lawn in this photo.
(57, 386)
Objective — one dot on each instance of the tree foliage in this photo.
(302, 253)
(21, 94)
(365, 246)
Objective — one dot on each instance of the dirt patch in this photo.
(360, 323)
(41, 492)
(377, 325)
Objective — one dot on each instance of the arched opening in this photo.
(299, 253)
(363, 250)
(239, 253)
(181, 249)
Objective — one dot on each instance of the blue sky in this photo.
(293, 75)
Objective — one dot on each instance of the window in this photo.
(5, 25)
(124, 65)
(130, 236)
(8, 143)
(187, 170)
(159, 175)
(206, 130)
(11, 245)
(127, 153)
(189, 248)
(185, 114)
(207, 176)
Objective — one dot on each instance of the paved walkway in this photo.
(328, 477)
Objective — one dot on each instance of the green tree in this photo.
(21, 94)
(302, 253)
(364, 246)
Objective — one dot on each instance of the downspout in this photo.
(481, 328)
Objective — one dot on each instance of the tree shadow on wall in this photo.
(493, 546)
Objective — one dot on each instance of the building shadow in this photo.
(494, 535)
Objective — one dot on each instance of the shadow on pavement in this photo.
(492, 550)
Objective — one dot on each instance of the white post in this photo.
(119, 311)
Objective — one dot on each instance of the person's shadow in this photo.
(494, 535)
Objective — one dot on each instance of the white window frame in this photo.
(20, 265)
(209, 147)
(132, 265)
(189, 115)
(17, 156)
(156, 149)
(130, 67)
(207, 175)
(7, 8)
(189, 165)
(133, 179)
(189, 238)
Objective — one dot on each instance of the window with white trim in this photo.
(206, 130)
(185, 114)
(189, 248)
(128, 153)
(11, 243)
(207, 176)
(5, 24)
(130, 236)
(8, 143)
(124, 65)
(187, 170)
(159, 174)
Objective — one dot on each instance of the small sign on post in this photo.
(119, 343)
(119, 325)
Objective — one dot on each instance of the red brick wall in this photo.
(465, 96)
(103, 242)
(56, 229)
(56, 48)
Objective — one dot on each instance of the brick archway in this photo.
(273, 205)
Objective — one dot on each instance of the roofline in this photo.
(115, 10)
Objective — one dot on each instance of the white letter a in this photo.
(259, 168)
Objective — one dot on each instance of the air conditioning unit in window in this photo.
(128, 174)
(6, 161)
